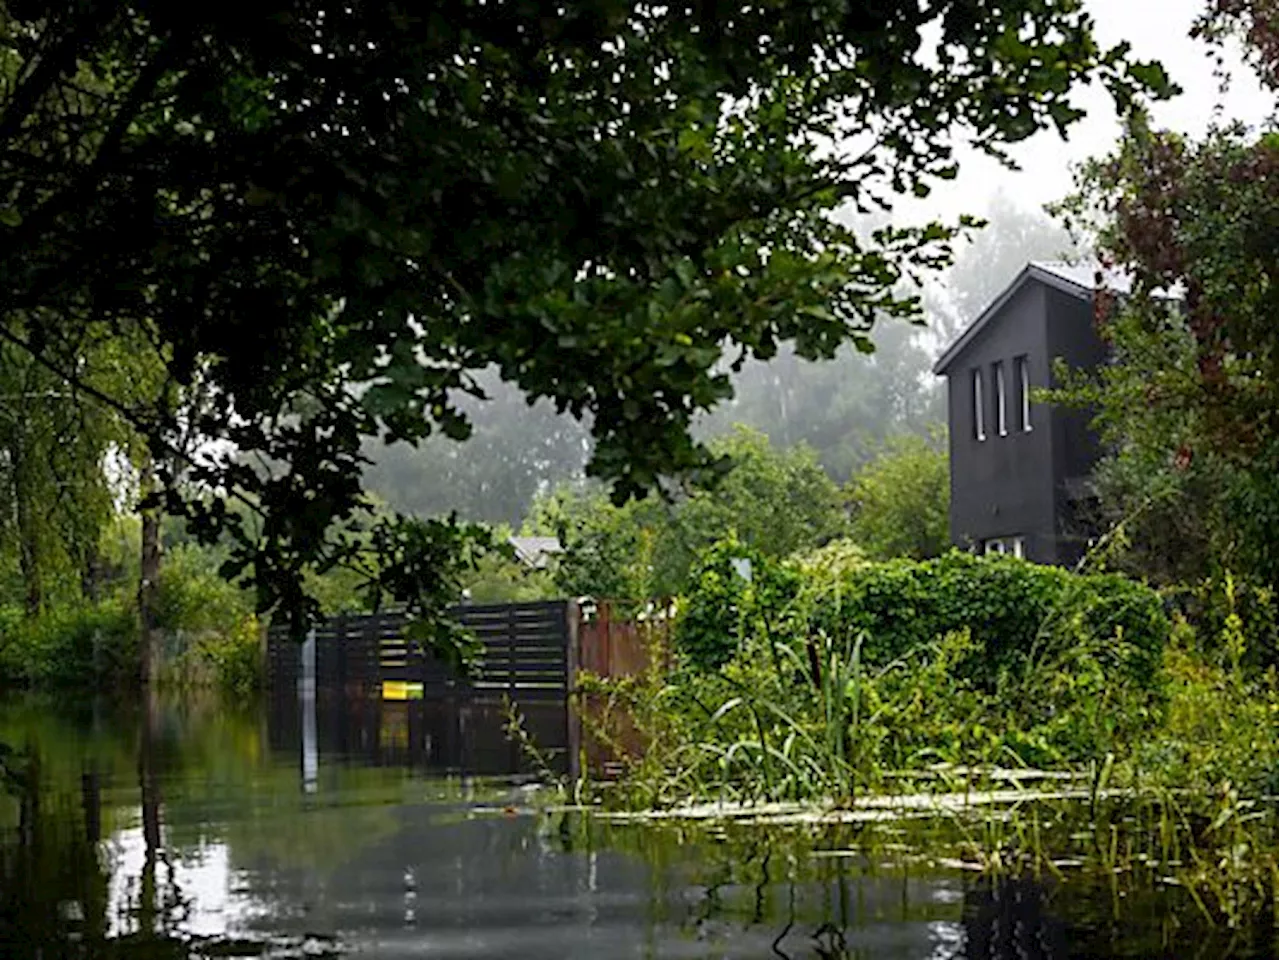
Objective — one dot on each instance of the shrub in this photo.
(192, 596)
(723, 606)
(236, 656)
(1224, 606)
(89, 643)
(830, 561)
(900, 500)
(1016, 612)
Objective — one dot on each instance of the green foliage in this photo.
(1018, 613)
(1220, 725)
(1187, 408)
(278, 205)
(71, 645)
(735, 591)
(210, 633)
(797, 712)
(772, 501)
(193, 597)
(794, 716)
(829, 562)
(901, 501)
(627, 552)
(236, 656)
(502, 579)
(777, 500)
(56, 499)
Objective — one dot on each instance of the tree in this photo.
(842, 408)
(515, 450)
(773, 501)
(55, 495)
(901, 501)
(1188, 404)
(329, 217)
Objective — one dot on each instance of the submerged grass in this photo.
(1173, 779)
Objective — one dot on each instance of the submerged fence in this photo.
(524, 647)
(531, 653)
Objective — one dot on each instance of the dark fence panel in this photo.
(525, 647)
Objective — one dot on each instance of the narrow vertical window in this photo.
(1020, 548)
(1002, 418)
(1024, 393)
(979, 415)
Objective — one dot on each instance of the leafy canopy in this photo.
(324, 218)
(1188, 404)
(772, 501)
(901, 500)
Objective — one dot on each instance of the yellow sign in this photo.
(401, 690)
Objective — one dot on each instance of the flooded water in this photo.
(187, 829)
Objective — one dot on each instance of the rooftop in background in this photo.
(1085, 275)
(1075, 279)
(535, 551)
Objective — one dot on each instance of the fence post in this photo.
(307, 701)
(340, 651)
(307, 665)
(573, 719)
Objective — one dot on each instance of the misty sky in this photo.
(1157, 29)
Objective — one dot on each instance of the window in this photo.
(1006, 546)
(1002, 420)
(979, 416)
(1024, 393)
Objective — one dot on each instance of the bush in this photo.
(236, 656)
(85, 644)
(193, 597)
(1016, 612)
(901, 499)
(723, 606)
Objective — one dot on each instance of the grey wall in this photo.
(1003, 486)
(1073, 338)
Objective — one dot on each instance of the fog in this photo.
(846, 408)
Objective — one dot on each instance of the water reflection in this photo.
(182, 829)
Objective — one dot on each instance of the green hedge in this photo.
(89, 644)
(1013, 609)
(721, 607)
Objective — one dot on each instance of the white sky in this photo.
(1157, 30)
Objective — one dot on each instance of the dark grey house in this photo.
(1020, 469)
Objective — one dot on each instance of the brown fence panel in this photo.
(611, 645)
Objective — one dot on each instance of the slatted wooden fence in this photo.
(525, 648)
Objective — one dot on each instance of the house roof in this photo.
(535, 551)
(1077, 280)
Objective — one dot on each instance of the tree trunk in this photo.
(149, 788)
(149, 580)
(28, 538)
(91, 803)
(91, 573)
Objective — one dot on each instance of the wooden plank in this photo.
(524, 670)
(520, 644)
